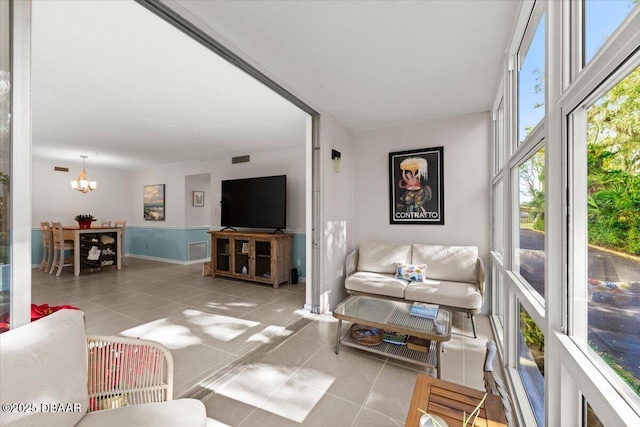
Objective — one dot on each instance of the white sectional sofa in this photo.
(453, 276)
(45, 380)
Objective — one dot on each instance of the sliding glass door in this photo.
(5, 161)
(15, 158)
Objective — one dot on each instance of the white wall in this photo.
(288, 161)
(194, 215)
(466, 142)
(337, 195)
(53, 199)
(173, 177)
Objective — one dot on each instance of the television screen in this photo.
(255, 202)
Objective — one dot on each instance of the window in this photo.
(530, 256)
(531, 363)
(601, 18)
(613, 228)
(497, 281)
(5, 161)
(498, 139)
(498, 215)
(570, 176)
(531, 83)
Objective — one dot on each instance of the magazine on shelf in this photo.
(394, 338)
(421, 309)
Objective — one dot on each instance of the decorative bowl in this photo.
(428, 421)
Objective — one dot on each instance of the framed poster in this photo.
(198, 199)
(416, 189)
(153, 202)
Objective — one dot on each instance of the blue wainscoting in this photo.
(170, 244)
(164, 243)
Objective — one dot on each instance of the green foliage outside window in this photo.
(613, 160)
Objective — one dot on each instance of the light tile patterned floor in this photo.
(211, 325)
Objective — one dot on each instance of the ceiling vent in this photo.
(240, 159)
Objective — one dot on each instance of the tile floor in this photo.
(219, 332)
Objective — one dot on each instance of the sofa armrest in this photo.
(127, 371)
(480, 275)
(351, 263)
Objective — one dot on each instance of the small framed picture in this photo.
(198, 199)
(153, 202)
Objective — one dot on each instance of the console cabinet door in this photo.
(221, 255)
(242, 258)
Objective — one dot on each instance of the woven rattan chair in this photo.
(60, 247)
(47, 246)
(127, 371)
(53, 362)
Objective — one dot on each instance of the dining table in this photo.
(75, 233)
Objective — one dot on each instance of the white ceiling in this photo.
(111, 78)
(113, 81)
(374, 64)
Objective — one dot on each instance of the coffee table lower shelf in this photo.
(396, 351)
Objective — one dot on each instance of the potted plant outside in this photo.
(85, 220)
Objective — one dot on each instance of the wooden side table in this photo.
(449, 401)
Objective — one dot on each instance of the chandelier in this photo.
(82, 183)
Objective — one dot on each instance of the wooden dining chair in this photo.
(106, 223)
(47, 245)
(60, 247)
(122, 225)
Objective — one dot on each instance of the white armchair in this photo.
(54, 375)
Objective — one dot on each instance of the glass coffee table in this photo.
(393, 316)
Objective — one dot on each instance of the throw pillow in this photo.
(413, 273)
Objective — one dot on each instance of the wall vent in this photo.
(197, 251)
(239, 159)
(60, 169)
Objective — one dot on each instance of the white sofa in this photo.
(45, 379)
(453, 278)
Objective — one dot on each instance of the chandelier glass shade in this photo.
(83, 183)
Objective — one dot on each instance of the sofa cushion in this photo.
(180, 412)
(451, 263)
(381, 257)
(45, 362)
(375, 283)
(410, 272)
(453, 294)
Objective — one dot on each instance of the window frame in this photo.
(577, 304)
(532, 147)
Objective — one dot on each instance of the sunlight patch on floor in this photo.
(171, 336)
(215, 423)
(227, 306)
(271, 388)
(269, 333)
(222, 328)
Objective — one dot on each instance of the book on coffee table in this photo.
(421, 309)
(394, 338)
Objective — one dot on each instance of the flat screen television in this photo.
(255, 202)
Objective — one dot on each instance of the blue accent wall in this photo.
(169, 243)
